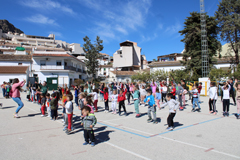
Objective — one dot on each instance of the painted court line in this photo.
(79, 152)
(124, 130)
(125, 150)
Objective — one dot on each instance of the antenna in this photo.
(204, 43)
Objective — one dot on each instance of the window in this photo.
(59, 63)
(42, 63)
(19, 64)
(80, 76)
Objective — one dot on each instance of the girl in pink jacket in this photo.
(16, 94)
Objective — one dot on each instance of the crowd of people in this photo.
(153, 95)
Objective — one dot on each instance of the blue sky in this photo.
(153, 24)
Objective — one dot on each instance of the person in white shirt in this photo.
(226, 99)
(143, 93)
(164, 92)
(212, 98)
(114, 98)
(69, 112)
(95, 98)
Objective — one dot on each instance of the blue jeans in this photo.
(76, 100)
(195, 100)
(3, 91)
(101, 97)
(19, 102)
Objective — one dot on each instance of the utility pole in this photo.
(204, 43)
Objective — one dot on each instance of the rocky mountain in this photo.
(6, 27)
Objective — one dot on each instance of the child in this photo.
(114, 98)
(95, 97)
(194, 92)
(105, 95)
(28, 94)
(174, 91)
(199, 91)
(43, 104)
(237, 88)
(158, 97)
(154, 86)
(151, 107)
(82, 97)
(136, 100)
(76, 94)
(69, 112)
(88, 102)
(164, 92)
(53, 106)
(184, 96)
(226, 99)
(88, 123)
(212, 98)
(173, 106)
(143, 93)
(121, 99)
(48, 100)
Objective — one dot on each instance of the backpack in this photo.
(10, 93)
(8, 89)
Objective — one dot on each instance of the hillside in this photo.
(6, 27)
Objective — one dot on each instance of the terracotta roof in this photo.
(170, 55)
(56, 55)
(13, 69)
(122, 73)
(12, 57)
(104, 54)
(106, 66)
(146, 70)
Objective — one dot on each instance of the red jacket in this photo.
(105, 95)
(122, 97)
(174, 91)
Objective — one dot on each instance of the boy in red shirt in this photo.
(174, 91)
(121, 99)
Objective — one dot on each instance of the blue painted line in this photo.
(125, 130)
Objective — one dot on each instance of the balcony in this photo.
(54, 67)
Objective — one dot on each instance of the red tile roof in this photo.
(122, 73)
(13, 69)
(12, 57)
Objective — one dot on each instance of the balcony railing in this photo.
(54, 67)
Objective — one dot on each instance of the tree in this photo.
(219, 74)
(236, 74)
(92, 54)
(228, 18)
(160, 75)
(179, 75)
(192, 57)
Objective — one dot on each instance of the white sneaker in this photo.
(42, 116)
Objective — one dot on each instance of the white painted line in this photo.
(230, 155)
(125, 150)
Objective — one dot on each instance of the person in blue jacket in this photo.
(151, 107)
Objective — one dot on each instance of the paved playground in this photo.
(196, 136)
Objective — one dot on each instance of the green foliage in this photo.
(236, 74)
(178, 75)
(142, 76)
(92, 54)
(192, 58)
(219, 74)
(159, 75)
(228, 18)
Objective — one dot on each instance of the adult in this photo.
(231, 91)
(44, 88)
(3, 88)
(16, 87)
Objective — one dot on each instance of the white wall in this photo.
(126, 59)
(167, 69)
(7, 77)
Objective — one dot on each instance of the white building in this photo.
(61, 65)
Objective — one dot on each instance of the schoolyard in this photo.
(196, 136)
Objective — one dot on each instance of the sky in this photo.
(153, 24)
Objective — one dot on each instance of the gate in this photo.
(52, 83)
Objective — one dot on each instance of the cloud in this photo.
(173, 29)
(148, 38)
(160, 26)
(47, 5)
(57, 34)
(41, 19)
(118, 17)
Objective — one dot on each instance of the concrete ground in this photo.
(196, 136)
